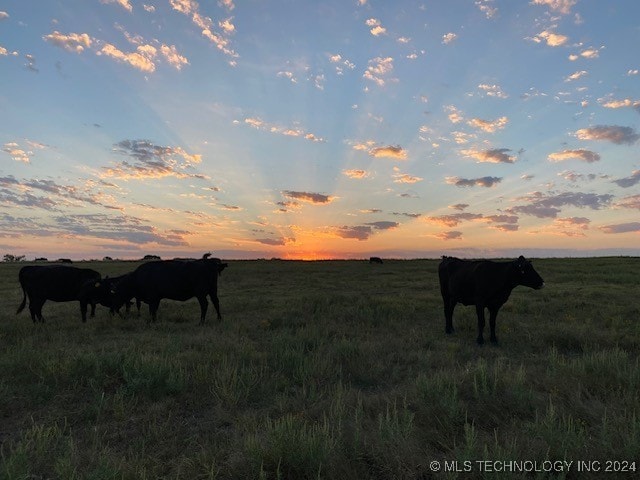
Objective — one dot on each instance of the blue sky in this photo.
(329, 129)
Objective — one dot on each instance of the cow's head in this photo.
(527, 275)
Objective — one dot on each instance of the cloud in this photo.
(389, 151)
(459, 206)
(581, 154)
(123, 228)
(486, 8)
(497, 155)
(73, 42)
(384, 225)
(314, 198)
(632, 202)
(276, 242)
(492, 90)
(625, 103)
(510, 219)
(378, 70)
(488, 125)
(361, 232)
(454, 219)
(576, 75)
(405, 178)
(191, 8)
(571, 226)
(560, 6)
(631, 227)
(452, 235)
(629, 181)
(612, 133)
(152, 161)
(448, 38)
(126, 4)
(472, 182)
(548, 206)
(291, 131)
(17, 153)
(3, 15)
(357, 174)
(142, 59)
(376, 27)
(552, 39)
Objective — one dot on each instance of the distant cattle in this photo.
(376, 260)
(485, 284)
(59, 284)
(171, 279)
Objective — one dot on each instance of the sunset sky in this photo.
(319, 129)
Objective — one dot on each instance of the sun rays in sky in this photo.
(332, 129)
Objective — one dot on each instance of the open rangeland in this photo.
(331, 369)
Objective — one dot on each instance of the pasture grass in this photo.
(331, 369)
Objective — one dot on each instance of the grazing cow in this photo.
(172, 279)
(57, 283)
(375, 260)
(482, 283)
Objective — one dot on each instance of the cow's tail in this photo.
(24, 301)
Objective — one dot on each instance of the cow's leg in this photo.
(153, 308)
(449, 305)
(93, 309)
(493, 314)
(83, 311)
(35, 307)
(216, 303)
(204, 305)
(480, 312)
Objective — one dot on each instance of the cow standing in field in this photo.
(172, 279)
(485, 284)
(376, 260)
(57, 283)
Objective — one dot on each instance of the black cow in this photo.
(172, 279)
(102, 292)
(375, 260)
(57, 283)
(482, 283)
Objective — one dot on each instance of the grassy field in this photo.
(336, 370)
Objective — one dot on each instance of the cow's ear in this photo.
(97, 285)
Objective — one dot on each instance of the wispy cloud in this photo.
(126, 4)
(144, 57)
(631, 227)
(580, 154)
(560, 6)
(549, 205)
(379, 70)
(449, 38)
(288, 131)
(376, 27)
(611, 133)
(624, 103)
(632, 202)
(474, 182)
(389, 151)
(191, 9)
(452, 235)
(489, 126)
(496, 155)
(152, 161)
(357, 174)
(308, 197)
(629, 181)
(550, 38)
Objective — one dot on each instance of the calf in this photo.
(59, 284)
(174, 280)
(482, 283)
